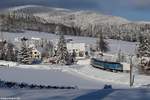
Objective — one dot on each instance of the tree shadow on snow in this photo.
(96, 95)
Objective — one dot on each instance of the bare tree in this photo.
(10, 52)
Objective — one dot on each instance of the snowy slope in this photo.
(83, 23)
(115, 45)
(83, 76)
(82, 19)
(117, 78)
(33, 9)
(52, 76)
(69, 17)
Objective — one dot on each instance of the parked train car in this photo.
(112, 66)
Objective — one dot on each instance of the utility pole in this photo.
(131, 72)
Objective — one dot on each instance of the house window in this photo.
(38, 56)
(35, 52)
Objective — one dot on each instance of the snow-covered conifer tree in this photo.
(62, 53)
(24, 55)
(144, 47)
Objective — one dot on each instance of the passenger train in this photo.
(106, 65)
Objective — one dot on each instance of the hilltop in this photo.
(71, 22)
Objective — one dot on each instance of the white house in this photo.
(79, 48)
(36, 54)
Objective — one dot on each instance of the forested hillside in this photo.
(81, 23)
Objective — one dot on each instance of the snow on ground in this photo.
(118, 78)
(60, 77)
(115, 45)
(112, 94)
(83, 70)
(82, 75)
(106, 76)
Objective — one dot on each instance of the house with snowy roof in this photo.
(36, 57)
(81, 49)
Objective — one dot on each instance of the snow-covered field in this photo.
(53, 76)
(82, 75)
(115, 45)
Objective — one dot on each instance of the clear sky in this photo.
(130, 9)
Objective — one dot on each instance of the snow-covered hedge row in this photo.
(7, 84)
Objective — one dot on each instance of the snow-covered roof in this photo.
(80, 46)
(31, 46)
(34, 38)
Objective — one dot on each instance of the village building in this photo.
(41, 49)
(35, 56)
(81, 49)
